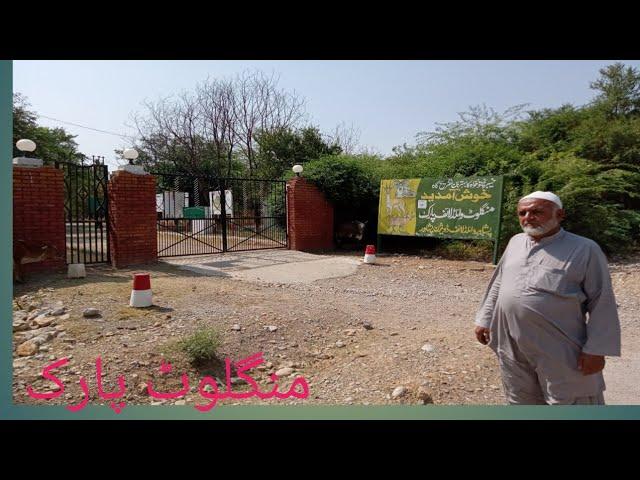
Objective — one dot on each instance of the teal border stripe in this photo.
(222, 412)
(426, 412)
(6, 241)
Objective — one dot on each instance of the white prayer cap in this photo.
(552, 197)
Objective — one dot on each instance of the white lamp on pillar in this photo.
(26, 145)
(131, 154)
(297, 169)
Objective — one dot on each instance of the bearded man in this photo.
(549, 312)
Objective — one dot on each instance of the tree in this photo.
(482, 142)
(347, 138)
(619, 88)
(262, 108)
(217, 125)
(279, 150)
(209, 131)
(172, 133)
(550, 130)
(217, 104)
(52, 144)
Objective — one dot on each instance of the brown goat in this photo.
(26, 252)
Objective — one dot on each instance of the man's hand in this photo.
(590, 364)
(482, 334)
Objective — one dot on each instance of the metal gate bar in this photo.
(86, 211)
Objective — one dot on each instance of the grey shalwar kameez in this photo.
(535, 308)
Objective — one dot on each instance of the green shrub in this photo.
(344, 181)
(351, 183)
(479, 250)
(199, 347)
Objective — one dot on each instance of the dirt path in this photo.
(404, 322)
(622, 374)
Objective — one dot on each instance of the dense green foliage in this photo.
(279, 150)
(589, 155)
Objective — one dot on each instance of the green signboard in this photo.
(193, 212)
(465, 208)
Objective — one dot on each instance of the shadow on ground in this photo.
(97, 274)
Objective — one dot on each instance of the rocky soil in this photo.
(397, 332)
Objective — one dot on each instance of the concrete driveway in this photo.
(271, 266)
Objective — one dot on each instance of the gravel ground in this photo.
(406, 321)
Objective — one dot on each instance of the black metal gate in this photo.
(195, 217)
(86, 210)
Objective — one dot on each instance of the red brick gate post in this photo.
(132, 217)
(38, 212)
(309, 217)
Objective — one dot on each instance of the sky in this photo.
(387, 102)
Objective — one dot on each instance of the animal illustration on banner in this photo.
(397, 206)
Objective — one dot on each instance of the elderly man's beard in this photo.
(542, 229)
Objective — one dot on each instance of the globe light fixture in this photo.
(26, 145)
(130, 154)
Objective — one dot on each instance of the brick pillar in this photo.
(132, 218)
(38, 212)
(309, 216)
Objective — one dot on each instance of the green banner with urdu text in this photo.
(441, 207)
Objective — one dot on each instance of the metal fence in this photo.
(205, 214)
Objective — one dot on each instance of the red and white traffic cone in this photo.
(370, 254)
(141, 293)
